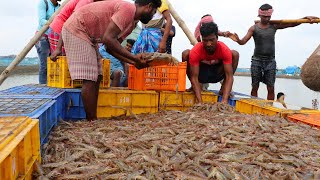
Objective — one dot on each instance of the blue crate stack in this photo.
(74, 109)
(43, 109)
(37, 91)
(36, 101)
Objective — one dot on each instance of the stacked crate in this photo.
(160, 78)
(19, 147)
(35, 101)
(170, 82)
(182, 101)
(112, 102)
(58, 74)
(45, 110)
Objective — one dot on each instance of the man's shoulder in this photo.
(224, 49)
(198, 47)
(222, 45)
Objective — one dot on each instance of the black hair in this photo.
(280, 94)
(205, 16)
(155, 3)
(265, 7)
(207, 29)
(131, 41)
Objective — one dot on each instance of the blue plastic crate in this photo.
(33, 90)
(43, 109)
(232, 101)
(37, 91)
(74, 109)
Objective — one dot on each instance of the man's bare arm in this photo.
(163, 42)
(194, 72)
(228, 82)
(114, 47)
(245, 39)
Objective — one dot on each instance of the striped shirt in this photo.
(91, 21)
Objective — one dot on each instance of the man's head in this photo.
(265, 13)
(205, 16)
(279, 95)
(130, 43)
(209, 34)
(146, 9)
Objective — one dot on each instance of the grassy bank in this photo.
(23, 70)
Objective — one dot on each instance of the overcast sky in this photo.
(293, 45)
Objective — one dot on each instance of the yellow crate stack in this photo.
(19, 147)
(269, 108)
(182, 101)
(58, 74)
(115, 102)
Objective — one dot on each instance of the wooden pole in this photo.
(290, 21)
(29, 46)
(181, 23)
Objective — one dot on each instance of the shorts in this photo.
(83, 61)
(123, 76)
(263, 71)
(210, 73)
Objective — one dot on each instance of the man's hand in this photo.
(162, 47)
(233, 36)
(142, 61)
(55, 54)
(311, 18)
(225, 34)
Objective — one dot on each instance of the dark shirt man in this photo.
(170, 37)
(263, 64)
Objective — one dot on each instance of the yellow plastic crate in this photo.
(115, 102)
(270, 108)
(58, 74)
(250, 106)
(182, 101)
(19, 147)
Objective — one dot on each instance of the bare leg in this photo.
(254, 91)
(270, 93)
(185, 58)
(98, 85)
(116, 78)
(90, 99)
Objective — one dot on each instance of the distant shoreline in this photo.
(278, 76)
(23, 70)
(33, 70)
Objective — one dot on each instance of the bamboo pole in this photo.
(29, 46)
(182, 24)
(290, 21)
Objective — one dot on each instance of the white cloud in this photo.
(19, 21)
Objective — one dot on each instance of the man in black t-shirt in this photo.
(170, 37)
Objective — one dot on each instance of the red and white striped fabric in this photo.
(83, 60)
(53, 40)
